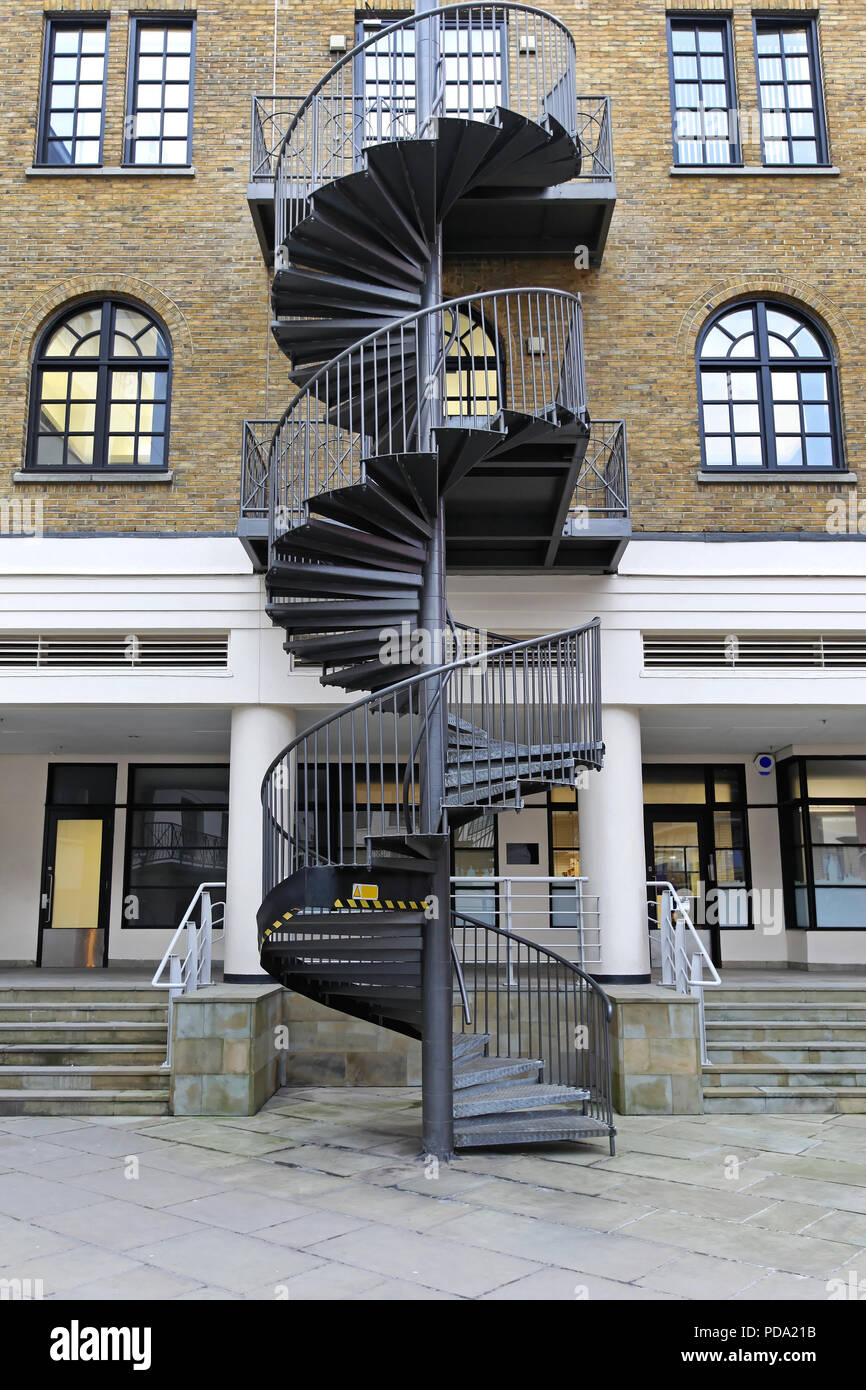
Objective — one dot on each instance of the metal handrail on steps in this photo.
(527, 712)
(683, 954)
(524, 49)
(190, 969)
(535, 1003)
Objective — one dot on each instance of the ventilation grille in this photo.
(730, 651)
(180, 651)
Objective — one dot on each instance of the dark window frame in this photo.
(53, 25)
(706, 20)
(132, 808)
(790, 806)
(763, 365)
(103, 364)
(137, 24)
(707, 810)
(768, 22)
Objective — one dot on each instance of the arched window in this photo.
(768, 392)
(472, 363)
(100, 390)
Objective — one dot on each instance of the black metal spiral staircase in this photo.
(421, 425)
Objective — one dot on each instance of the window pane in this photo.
(837, 777)
(719, 452)
(664, 785)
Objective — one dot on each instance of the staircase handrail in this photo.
(575, 1050)
(683, 969)
(191, 970)
(330, 435)
(411, 21)
(568, 715)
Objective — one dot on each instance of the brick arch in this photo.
(800, 293)
(52, 300)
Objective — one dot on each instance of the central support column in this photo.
(436, 985)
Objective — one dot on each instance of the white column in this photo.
(612, 847)
(259, 733)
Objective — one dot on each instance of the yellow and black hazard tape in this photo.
(356, 904)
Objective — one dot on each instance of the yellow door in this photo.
(77, 873)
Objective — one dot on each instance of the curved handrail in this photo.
(410, 21)
(428, 674)
(534, 1003)
(365, 401)
(543, 950)
(459, 303)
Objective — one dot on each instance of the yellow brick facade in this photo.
(184, 245)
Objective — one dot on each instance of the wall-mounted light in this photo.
(526, 43)
(536, 347)
(337, 43)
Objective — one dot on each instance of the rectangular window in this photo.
(176, 838)
(789, 92)
(703, 101)
(159, 115)
(823, 836)
(73, 93)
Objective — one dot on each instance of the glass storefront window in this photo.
(836, 777)
(824, 842)
(665, 786)
(177, 838)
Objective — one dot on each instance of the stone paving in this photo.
(322, 1195)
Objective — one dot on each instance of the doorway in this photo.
(76, 865)
(697, 839)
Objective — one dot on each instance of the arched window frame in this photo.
(104, 364)
(764, 366)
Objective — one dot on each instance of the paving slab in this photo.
(703, 1277)
(426, 1259)
(242, 1262)
(793, 1254)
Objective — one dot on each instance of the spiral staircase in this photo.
(424, 429)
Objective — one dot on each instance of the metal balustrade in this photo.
(681, 954)
(257, 438)
(601, 489)
(516, 715)
(556, 912)
(272, 115)
(366, 402)
(535, 1003)
(460, 60)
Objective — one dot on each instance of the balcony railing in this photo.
(273, 114)
(601, 490)
(254, 468)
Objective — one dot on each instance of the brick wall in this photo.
(186, 247)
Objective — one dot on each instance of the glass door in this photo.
(679, 852)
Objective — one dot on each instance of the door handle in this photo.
(48, 898)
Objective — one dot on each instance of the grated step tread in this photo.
(492, 1100)
(477, 1070)
(481, 1130)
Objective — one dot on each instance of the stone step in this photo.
(81, 994)
(81, 1055)
(784, 1100)
(843, 1011)
(780, 1030)
(66, 1102)
(787, 994)
(726, 1051)
(95, 1034)
(74, 1011)
(85, 1078)
(777, 1074)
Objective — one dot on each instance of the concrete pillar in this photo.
(259, 733)
(612, 849)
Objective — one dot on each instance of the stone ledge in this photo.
(111, 171)
(739, 171)
(92, 475)
(776, 475)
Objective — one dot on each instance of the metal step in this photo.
(469, 1045)
(497, 1100)
(477, 1071)
(478, 1131)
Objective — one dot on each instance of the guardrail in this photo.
(556, 911)
(682, 954)
(189, 965)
